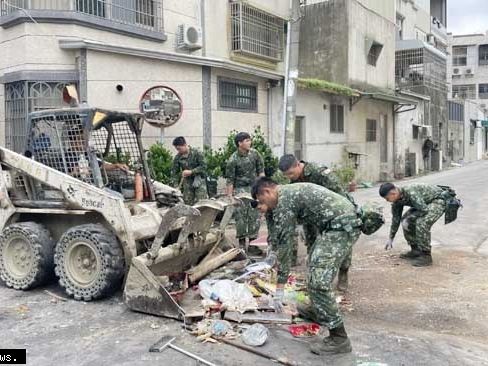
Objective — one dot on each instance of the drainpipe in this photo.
(285, 85)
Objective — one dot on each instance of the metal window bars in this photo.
(145, 14)
(418, 68)
(256, 33)
(238, 96)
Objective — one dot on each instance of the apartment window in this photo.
(415, 132)
(455, 111)
(374, 53)
(92, 7)
(255, 32)
(483, 54)
(483, 91)
(464, 91)
(336, 118)
(23, 97)
(371, 127)
(459, 56)
(238, 95)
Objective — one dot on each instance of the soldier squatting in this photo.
(331, 220)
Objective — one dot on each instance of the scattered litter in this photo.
(22, 309)
(233, 296)
(256, 335)
(265, 317)
(154, 326)
(304, 330)
(365, 185)
(55, 297)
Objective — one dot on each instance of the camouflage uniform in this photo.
(427, 206)
(324, 177)
(194, 187)
(241, 171)
(337, 225)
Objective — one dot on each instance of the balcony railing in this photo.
(144, 14)
(438, 30)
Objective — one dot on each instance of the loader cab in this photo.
(91, 144)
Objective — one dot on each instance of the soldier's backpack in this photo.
(452, 204)
(372, 218)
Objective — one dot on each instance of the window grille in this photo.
(371, 125)
(237, 95)
(459, 56)
(23, 97)
(374, 53)
(467, 91)
(483, 91)
(336, 118)
(483, 54)
(455, 111)
(255, 32)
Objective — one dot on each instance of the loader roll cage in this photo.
(86, 143)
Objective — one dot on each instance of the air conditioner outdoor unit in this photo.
(455, 71)
(189, 37)
(469, 72)
(426, 132)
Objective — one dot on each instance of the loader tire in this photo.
(89, 262)
(26, 255)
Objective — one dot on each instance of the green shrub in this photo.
(345, 173)
(160, 161)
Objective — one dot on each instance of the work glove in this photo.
(389, 244)
(271, 259)
(278, 300)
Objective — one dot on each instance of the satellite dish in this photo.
(161, 106)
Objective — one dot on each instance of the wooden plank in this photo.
(265, 317)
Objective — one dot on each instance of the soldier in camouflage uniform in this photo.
(243, 167)
(427, 204)
(188, 172)
(301, 171)
(337, 226)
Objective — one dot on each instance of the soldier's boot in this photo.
(423, 260)
(306, 311)
(342, 280)
(411, 254)
(336, 342)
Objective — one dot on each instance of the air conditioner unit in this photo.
(189, 37)
(469, 72)
(431, 39)
(455, 71)
(426, 132)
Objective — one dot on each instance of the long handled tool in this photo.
(167, 341)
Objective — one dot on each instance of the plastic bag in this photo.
(256, 335)
(233, 296)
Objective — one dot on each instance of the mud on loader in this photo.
(66, 210)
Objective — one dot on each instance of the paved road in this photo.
(396, 314)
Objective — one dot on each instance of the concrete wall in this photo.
(370, 168)
(323, 147)
(139, 74)
(325, 54)
(2, 115)
(405, 144)
(223, 122)
(365, 25)
(415, 18)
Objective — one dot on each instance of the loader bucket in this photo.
(157, 281)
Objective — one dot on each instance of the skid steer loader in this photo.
(80, 203)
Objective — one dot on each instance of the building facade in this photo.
(223, 58)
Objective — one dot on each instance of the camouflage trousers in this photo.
(246, 217)
(310, 234)
(192, 195)
(326, 256)
(416, 226)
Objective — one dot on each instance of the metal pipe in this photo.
(285, 86)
